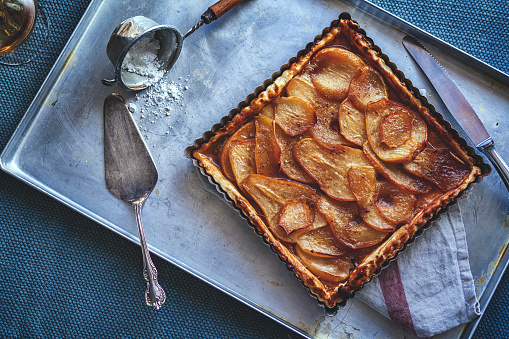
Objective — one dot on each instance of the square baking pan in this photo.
(207, 155)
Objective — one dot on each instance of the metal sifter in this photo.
(170, 40)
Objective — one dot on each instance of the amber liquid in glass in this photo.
(17, 20)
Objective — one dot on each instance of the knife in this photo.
(457, 104)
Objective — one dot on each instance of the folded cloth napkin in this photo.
(429, 289)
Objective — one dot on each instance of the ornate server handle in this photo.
(154, 294)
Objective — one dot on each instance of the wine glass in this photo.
(18, 21)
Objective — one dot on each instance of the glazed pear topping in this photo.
(242, 159)
(294, 115)
(362, 182)
(336, 269)
(352, 123)
(247, 131)
(268, 111)
(326, 128)
(329, 167)
(321, 242)
(266, 150)
(346, 224)
(289, 166)
(272, 195)
(333, 69)
(394, 204)
(294, 216)
(409, 147)
(395, 128)
(366, 87)
(302, 88)
(395, 173)
(334, 166)
(440, 167)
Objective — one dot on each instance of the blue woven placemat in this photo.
(63, 276)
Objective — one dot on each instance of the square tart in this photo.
(338, 162)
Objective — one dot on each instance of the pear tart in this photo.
(338, 162)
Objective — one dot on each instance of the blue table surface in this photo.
(62, 275)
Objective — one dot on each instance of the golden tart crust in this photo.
(441, 145)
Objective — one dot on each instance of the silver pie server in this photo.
(131, 175)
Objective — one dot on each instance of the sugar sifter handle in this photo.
(221, 7)
(214, 12)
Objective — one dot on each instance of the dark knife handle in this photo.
(214, 12)
(497, 161)
(219, 8)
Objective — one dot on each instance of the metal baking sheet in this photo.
(58, 148)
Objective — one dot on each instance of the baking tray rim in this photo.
(8, 154)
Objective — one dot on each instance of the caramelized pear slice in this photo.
(395, 128)
(408, 150)
(334, 270)
(321, 242)
(294, 115)
(362, 181)
(289, 166)
(394, 204)
(319, 221)
(268, 111)
(242, 159)
(267, 151)
(346, 224)
(439, 166)
(352, 123)
(329, 167)
(434, 141)
(332, 71)
(394, 173)
(246, 131)
(302, 88)
(367, 86)
(294, 216)
(326, 129)
(272, 195)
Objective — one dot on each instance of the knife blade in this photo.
(457, 104)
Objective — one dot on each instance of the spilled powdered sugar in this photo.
(157, 109)
(153, 108)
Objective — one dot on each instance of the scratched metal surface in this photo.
(58, 147)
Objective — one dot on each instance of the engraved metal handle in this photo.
(154, 294)
(497, 161)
